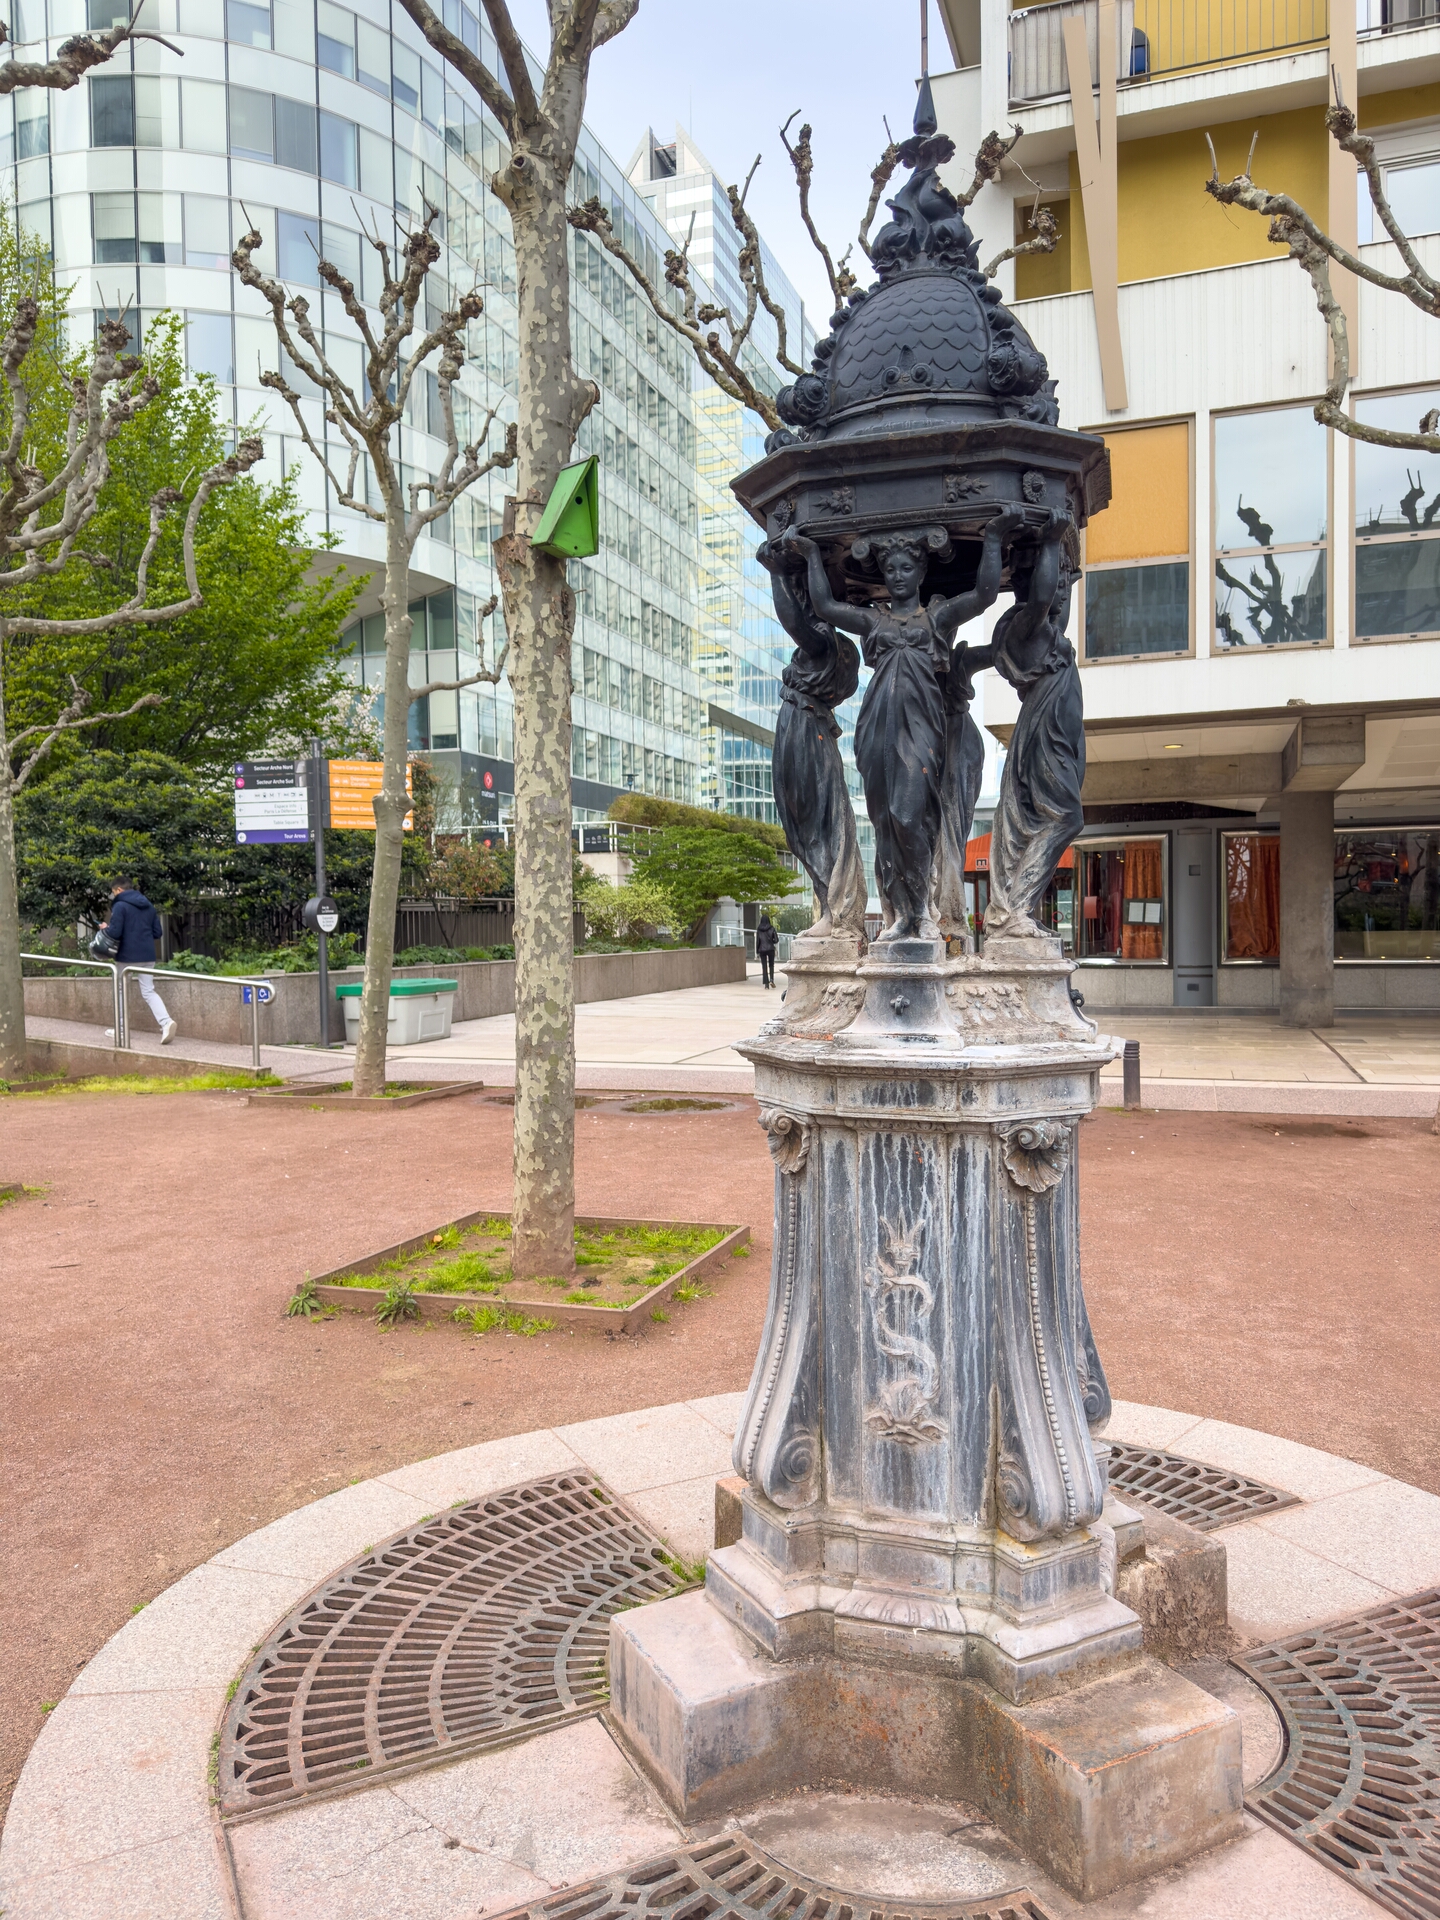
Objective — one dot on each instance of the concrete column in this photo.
(1307, 909)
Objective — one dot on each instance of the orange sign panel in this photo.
(353, 786)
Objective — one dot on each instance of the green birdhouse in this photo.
(570, 525)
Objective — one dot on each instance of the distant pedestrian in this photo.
(134, 926)
(766, 941)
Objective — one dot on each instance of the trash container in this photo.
(419, 1010)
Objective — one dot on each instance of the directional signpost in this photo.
(272, 802)
(353, 786)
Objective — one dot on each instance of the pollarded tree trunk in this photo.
(540, 619)
(391, 805)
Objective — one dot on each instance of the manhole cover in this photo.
(1359, 1786)
(484, 1623)
(1203, 1497)
(732, 1876)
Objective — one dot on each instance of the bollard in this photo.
(1131, 1070)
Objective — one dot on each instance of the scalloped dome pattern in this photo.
(919, 323)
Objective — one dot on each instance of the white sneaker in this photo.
(167, 1033)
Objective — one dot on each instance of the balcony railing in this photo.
(1154, 37)
(1396, 16)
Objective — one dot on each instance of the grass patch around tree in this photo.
(151, 1083)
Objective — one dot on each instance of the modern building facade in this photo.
(1259, 631)
(320, 124)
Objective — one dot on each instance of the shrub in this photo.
(632, 911)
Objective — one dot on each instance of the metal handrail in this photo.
(257, 984)
(118, 970)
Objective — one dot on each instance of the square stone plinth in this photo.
(1100, 1786)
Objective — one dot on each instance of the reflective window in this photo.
(1251, 896)
(337, 150)
(247, 24)
(1137, 552)
(207, 231)
(335, 39)
(1271, 492)
(252, 124)
(112, 111)
(406, 77)
(298, 248)
(372, 58)
(1387, 894)
(112, 217)
(100, 14)
(32, 122)
(1120, 891)
(208, 346)
(296, 143)
(1397, 523)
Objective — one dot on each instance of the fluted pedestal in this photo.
(922, 1440)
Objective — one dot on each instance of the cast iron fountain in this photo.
(922, 1599)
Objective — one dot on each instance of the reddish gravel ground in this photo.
(158, 1404)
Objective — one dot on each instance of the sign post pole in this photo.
(318, 814)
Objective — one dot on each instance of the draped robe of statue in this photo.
(807, 773)
(1039, 811)
(900, 748)
(959, 792)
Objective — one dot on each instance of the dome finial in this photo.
(925, 121)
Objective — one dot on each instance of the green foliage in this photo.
(467, 1273)
(301, 956)
(632, 911)
(173, 828)
(450, 956)
(698, 866)
(648, 810)
(462, 872)
(304, 1303)
(502, 1319)
(257, 662)
(398, 1305)
(219, 1081)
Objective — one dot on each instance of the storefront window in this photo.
(1387, 894)
(1120, 892)
(1252, 895)
(1397, 538)
(1271, 514)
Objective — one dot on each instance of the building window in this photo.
(1387, 894)
(247, 25)
(208, 346)
(335, 39)
(1412, 186)
(295, 135)
(1397, 524)
(372, 58)
(405, 64)
(207, 231)
(112, 112)
(32, 122)
(1137, 552)
(1121, 889)
(337, 150)
(298, 248)
(112, 218)
(1271, 525)
(1251, 896)
(252, 124)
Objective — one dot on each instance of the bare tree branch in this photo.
(880, 176)
(990, 156)
(1041, 223)
(73, 60)
(842, 281)
(70, 719)
(1314, 250)
(490, 675)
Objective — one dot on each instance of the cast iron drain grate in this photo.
(1359, 1786)
(732, 1877)
(1203, 1497)
(477, 1626)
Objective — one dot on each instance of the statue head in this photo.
(902, 559)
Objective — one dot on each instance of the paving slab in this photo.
(1280, 1463)
(198, 1633)
(181, 1876)
(470, 1473)
(1276, 1587)
(1386, 1532)
(312, 1541)
(656, 1447)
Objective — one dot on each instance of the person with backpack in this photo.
(766, 941)
(131, 933)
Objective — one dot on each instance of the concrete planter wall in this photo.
(487, 987)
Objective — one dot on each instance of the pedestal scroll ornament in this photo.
(921, 1544)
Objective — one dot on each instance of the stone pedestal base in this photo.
(1100, 1786)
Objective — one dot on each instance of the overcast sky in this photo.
(732, 71)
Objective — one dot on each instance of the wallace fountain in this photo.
(922, 1600)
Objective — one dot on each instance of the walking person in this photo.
(766, 941)
(134, 926)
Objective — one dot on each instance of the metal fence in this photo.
(1154, 37)
(460, 923)
(254, 993)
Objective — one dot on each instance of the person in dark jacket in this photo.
(134, 926)
(766, 941)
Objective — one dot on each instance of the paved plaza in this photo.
(1213, 1059)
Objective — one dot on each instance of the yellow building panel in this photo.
(1404, 103)
(1169, 224)
(1039, 274)
(1225, 31)
(1149, 512)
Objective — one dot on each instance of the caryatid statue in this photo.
(903, 736)
(807, 773)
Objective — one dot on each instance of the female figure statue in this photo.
(807, 773)
(901, 736)
(960, 789)
(1039, 811)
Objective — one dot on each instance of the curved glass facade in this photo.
(317, 123)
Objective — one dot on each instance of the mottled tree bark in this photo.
(539, 606)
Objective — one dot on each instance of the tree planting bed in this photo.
(334, 1096)
(626, 1272)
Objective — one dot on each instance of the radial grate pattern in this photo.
(1203, 1497)
(731, 1876)
(478, 1625)
(1359, 1786)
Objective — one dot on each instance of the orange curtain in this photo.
(1252, 896)
(1142, 882)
